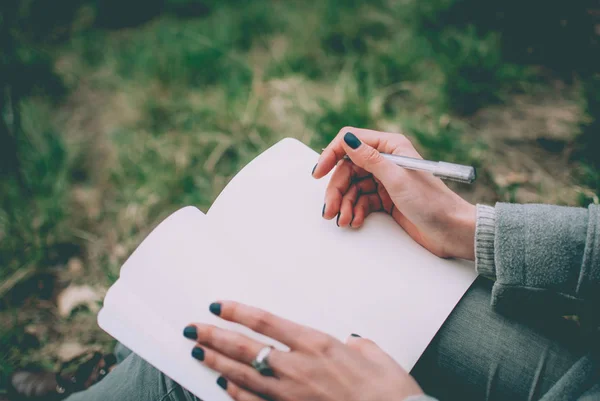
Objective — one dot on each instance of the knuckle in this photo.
(372, 156)
(370, 344)
(361, 345)
(211, 360)
(241, 378)
(366, 186)
(402, 138)
(403, 142)
(210, 335)
(322, 344)
(234, 392)
(262, 321)
(242, 349)
(233, 311)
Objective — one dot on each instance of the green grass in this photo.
(35, 201)
(138, 121)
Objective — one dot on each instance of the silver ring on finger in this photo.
(261, 362)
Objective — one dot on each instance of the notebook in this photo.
(264, 242)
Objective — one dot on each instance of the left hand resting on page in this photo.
(318, 367)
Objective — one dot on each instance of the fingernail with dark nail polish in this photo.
(355, 335)
(215, 308)
(222, 382)
(323, 212)
(198, 353)
(314, 168)
(190, 332)
(351, 140)
(337, 221)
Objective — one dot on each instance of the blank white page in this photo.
(375, 281)
(169, 282)
(264, 243)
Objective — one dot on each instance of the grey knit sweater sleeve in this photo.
(545, 259)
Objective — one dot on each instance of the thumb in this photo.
(367, 157)
(366, 347)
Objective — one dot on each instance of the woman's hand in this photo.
(431, 213)
(317, 368)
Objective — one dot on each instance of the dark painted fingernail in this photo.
(323, 212)
(355, 335)
(337, 221)
(351, 140)
(222, 382)
(215, 308)
(190, 332)
(198, 353)
(314, 168)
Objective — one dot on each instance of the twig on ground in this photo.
(20, 275)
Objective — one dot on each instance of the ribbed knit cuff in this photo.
(484, 241)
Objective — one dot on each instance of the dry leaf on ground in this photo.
(75, 296)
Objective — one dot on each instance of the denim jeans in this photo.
(477, 355)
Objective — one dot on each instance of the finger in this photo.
(234, 345)
(359, 172)
(386, 201)
(370, 159)
(382, 141)
(356, 342)
(366, 347)
(236, 392)
(338, 185)
(240, 373)
(342, 178)
(366, 185)
(365, 205)
(346, 210)
(346, 215)
(285, 331)
(358, 217)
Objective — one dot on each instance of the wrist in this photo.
(461, 234)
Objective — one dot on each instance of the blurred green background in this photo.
(113, 114)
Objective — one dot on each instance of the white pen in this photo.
(443, 170)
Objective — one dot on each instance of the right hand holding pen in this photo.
(430, 212)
